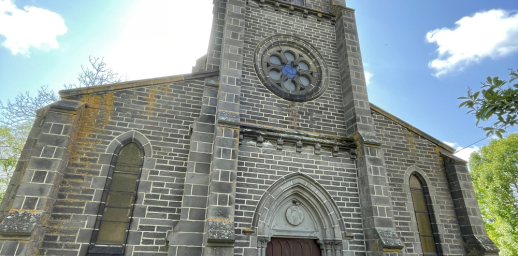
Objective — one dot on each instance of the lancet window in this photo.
(113, 220)
(424, 215)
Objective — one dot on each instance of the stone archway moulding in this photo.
(133, 136)
(323, 221)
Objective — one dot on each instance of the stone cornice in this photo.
(295, 135)
(292, 8)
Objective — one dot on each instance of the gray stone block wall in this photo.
(33, 203)
(320, 5)
(163, 113)
(259, 105)
(21, 166)
(476, 241)
(407, 152)
(216, 36)
(261, 166)
(187, 235)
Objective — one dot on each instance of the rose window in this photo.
(291, 68)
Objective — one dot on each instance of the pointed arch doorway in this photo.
(296, 212)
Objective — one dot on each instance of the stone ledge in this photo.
(220, 231)
(19, 223)
(66, 106)
(284, 133)
(481, 245)
(389, 239)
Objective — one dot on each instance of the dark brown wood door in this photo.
(292, 247)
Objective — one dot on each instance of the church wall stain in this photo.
(163, 114)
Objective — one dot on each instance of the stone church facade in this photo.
(270, 147)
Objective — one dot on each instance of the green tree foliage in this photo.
(494, 100)
(11, 145)
(494, 171)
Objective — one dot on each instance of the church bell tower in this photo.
(293, 67)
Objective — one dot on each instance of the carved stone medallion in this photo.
(295, 215)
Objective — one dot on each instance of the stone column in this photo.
(476, 241)
(187, 236)
(262, 243)
(338, 248)
(216, 35)
(378, 224)
(25, 224)
(219, 226)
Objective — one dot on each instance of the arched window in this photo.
(423, 215)
(113, 220)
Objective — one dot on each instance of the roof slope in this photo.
(412, 128)
(136, 83)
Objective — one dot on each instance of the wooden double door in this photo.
(292, 247)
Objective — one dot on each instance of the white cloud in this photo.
(462, 153)
(368, 77)
(29, 27)
(488, 34)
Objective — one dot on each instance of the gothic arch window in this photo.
(424, 215)
(115, 211)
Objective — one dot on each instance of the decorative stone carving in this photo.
(262, 242)
(336, 150)
(353, 154)
(260, 141)
(291, 68)
(280, 143)
(295, 215)
(299, 147)
(338, 245)
(329, 245)
(318, 147)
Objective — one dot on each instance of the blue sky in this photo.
(45, 43)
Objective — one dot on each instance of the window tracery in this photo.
(291, 68)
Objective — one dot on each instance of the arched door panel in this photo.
(292, 247)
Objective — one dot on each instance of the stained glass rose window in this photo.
(291, 68)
